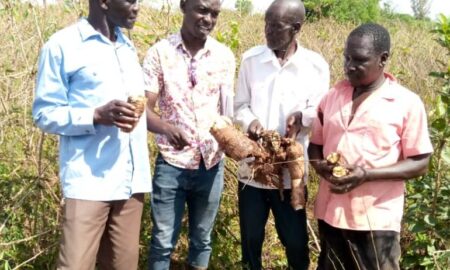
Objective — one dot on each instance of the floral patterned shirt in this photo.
(192, 92)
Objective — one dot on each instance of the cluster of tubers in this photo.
(271, 154)
(139, 102)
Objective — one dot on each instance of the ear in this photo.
(183, 5)
(384, 56)
(296, 27)
(103, 4)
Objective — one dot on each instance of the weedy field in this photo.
(30, 193)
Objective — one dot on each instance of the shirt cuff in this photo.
(83, 119)
(308, 117)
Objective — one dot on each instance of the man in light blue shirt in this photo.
(86, 72)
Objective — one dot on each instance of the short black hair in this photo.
(379, 34)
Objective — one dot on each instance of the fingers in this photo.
(255, 129)
(121, 108)
(181, 142)
(293, 126)
(347, 183)
(177, 138)
(341, 189)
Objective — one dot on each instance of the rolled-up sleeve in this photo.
(51, 108)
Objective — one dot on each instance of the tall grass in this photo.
(30, 193)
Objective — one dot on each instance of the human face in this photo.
(200, 17)
(279, 32)
(122, 13)
(362, 65)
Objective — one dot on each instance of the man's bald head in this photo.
(292, 11)
(284, 19)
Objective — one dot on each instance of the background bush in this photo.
(30, 194)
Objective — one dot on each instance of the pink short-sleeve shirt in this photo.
(390, 125)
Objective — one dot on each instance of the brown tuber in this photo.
(234, 143)
(271, 154)
(139, 102)
(296, 168)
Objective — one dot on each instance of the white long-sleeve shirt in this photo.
(270, 93)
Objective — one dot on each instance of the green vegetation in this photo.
(29, 190)
(244, 6)
(356, 11)
(428, 209)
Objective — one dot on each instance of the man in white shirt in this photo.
(279, 87)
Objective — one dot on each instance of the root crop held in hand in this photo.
(271, 154)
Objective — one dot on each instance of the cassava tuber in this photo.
(139, 102)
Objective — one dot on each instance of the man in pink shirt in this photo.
(191, 75)
(380, 128)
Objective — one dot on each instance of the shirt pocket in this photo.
(295, 99)
(89, 75)
(379, 138)
(260, 96)
(215, 80)
(86, 86)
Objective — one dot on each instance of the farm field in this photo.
(29, 187)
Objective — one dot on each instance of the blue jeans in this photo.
(254, 207)
(173, 188)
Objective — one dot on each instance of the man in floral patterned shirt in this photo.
(191, 75)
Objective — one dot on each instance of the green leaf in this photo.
(429, 220)
(436, 74)
(445, 154)
(439, 124)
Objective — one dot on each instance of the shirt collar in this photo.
(178, 42)
(269, 55)
(87, 31)
(385, 90)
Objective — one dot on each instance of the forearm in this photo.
(405, 169)
(64, 120)
(155, 124)
(315, 154)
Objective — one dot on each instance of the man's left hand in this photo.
(293, 125)
(356, 176)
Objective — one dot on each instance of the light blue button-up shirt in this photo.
(80, 70)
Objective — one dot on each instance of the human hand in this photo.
(118, 113)
(176, 137)
(293, 125)
(254, 129)
(323, 168)
(355, 177)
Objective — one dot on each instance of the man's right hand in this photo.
(255, 129)
(176, 137)
(118, 113)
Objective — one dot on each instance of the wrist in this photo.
(96, 116)
(365, 176)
